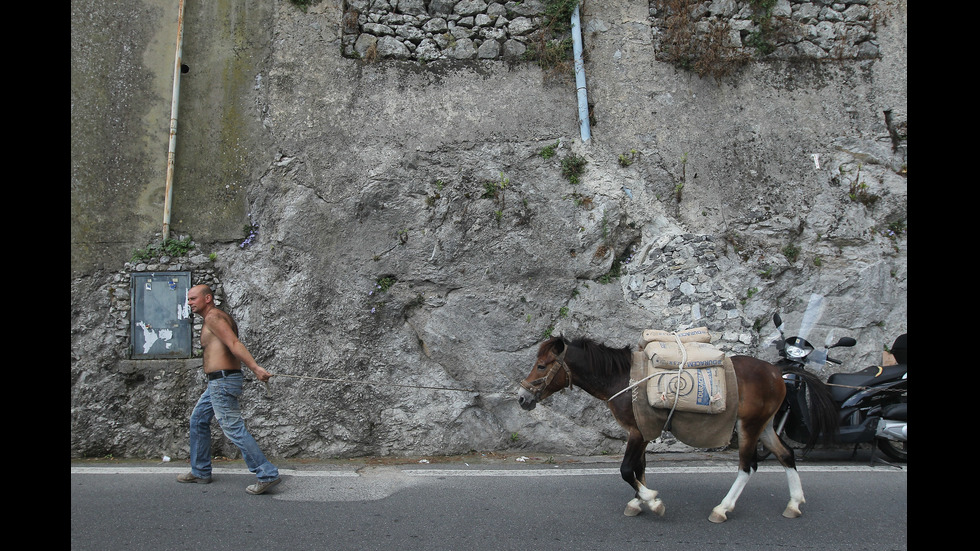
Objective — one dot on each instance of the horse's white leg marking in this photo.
(650, 498)
(719, 513)
(795, 494)
(646, 494)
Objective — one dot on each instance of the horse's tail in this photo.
(823, 422)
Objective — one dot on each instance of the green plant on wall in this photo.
(494, 189)
(679, 186)
(552, 50)
(304, 4)
(791, 252)
(762, 39)
(626, 159)
(572, 167)
(549, 151)
(251, 232)
(691, 44)
(703, 44)
(169, 247)
(859, 191)
(385, 282)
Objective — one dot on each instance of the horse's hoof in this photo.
(792, 512)
(717, 516)
(632, 509)
(657, 506)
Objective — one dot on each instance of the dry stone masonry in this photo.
(781, 29)
(202, 271)
(426, 30)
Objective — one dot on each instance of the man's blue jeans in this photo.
(221, 401)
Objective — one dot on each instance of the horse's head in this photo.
(550, 373)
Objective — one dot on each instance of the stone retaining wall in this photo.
(781, 29)
(428, 30)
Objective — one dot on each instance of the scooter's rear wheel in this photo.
(899, 451)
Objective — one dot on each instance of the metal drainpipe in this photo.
(175, 100)
(583, 100)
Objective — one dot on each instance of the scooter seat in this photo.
(844, 385)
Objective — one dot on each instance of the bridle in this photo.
(538, 386)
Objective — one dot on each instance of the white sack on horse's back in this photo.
(694, 355)
(697, 334)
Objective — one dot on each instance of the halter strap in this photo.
(538, 385)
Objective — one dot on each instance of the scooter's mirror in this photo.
(778, 321)
(845, 341)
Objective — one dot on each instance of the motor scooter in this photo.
(869, 406)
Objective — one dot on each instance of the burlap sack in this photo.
(696, 390)
(695, 355)
(698, 334)
(694, 429)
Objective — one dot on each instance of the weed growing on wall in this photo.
(859, 192)
(169, 247)
(684, 47)
(493, 190)
(895, 230)
(763, 38)
(679, 186)
(626, 159)
(553, 48)
(251, 232)
(304, 4)
(548, 151)
(385, 282)
(572, 167)
(791, 252)
(381, 286)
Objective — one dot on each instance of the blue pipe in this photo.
(583, 100)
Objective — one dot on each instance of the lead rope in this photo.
(386, 383)
(630, 387)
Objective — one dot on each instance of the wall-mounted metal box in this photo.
(160, 319)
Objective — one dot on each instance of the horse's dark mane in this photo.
(605, 360)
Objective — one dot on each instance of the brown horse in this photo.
(602, 372)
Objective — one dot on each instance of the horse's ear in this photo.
(560, 344)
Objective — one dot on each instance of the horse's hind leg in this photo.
(633, 471)
(787, 459)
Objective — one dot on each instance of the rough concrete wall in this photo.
(118, 79)
(122, 69)
(411, 231)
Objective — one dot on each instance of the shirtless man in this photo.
(224, 355)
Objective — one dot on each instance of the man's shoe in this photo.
(189, 477)
(261, 487)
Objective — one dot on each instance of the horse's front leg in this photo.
(633, 471)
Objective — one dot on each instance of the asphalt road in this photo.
(476, 503)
